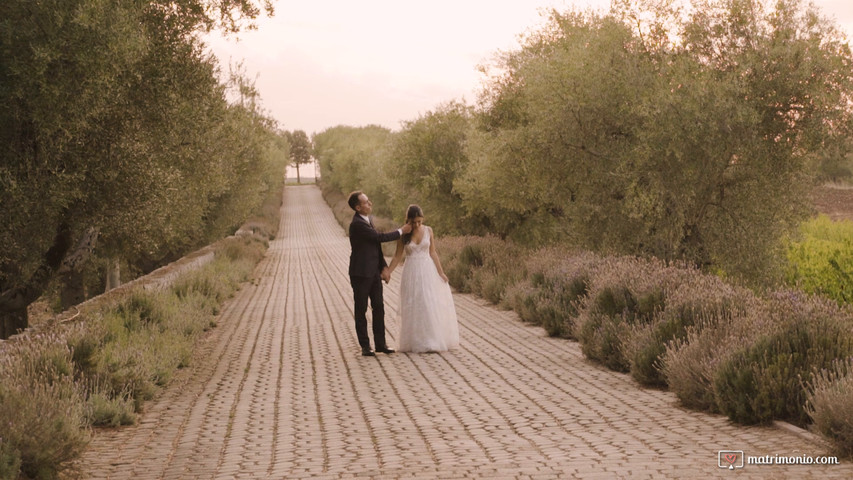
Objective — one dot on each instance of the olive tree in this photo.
(424, 160)
(691, 138)
(106, 112)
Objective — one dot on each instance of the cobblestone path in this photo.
(279, 390)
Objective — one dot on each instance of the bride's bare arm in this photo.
(434, 254)
(398, 257)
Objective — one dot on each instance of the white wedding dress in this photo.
(427, 314)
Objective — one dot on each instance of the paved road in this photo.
(279, 390)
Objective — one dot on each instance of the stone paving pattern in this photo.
(279, 390)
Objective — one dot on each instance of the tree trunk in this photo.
(71, 269)
(298, 178)
(73, 289)
(113, 279)
(15, 299)
(12, 322)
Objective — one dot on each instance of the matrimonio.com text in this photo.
(733, 459)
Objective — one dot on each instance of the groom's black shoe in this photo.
(365, 352)
(385, 350)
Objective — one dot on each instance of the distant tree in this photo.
(351, 158)
(301, 151)
(424, 160)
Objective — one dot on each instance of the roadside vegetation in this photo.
(58, 381)
(640, 181)
(124, 148)
(783, 355)
(124, 144)
(820, 258)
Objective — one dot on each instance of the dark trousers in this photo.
(364, 289)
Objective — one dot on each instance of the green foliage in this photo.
(687, 150)
(352, 159)
(423, 162)
(113, 119)
(640, 132)
(538, 136)
(835, 162)
(300, 147)
(821, 261)
(301, 150)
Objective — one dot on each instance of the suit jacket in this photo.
(366, 259)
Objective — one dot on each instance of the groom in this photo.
(367, 269)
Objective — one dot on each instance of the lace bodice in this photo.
(418, 249)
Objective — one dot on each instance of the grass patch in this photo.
(821, 261)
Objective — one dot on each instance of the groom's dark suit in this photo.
(365, 266)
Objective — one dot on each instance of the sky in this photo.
(322, 63)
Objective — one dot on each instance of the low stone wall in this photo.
(160, 278)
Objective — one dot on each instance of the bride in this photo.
(428, 316)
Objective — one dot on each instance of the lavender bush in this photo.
(829, 404)
(764, 381)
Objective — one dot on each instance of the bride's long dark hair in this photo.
(412, 213)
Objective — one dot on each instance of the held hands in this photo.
(386, 275)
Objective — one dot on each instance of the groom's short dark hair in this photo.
(353, 199)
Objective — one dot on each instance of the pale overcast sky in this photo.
(322, 63)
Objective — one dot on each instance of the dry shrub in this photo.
(458, 266)
(217, 281)
(105, 408)
(243, 250)
(486, 266)
(690, 363)
(623, 292)
(692, 297)
(10, 459)
(135, 347)
(120, 362)
(557, 281)
(830, 405)
(502, 266)
(764, 381)
(98, 371)
(524, 299)
(41, 407)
